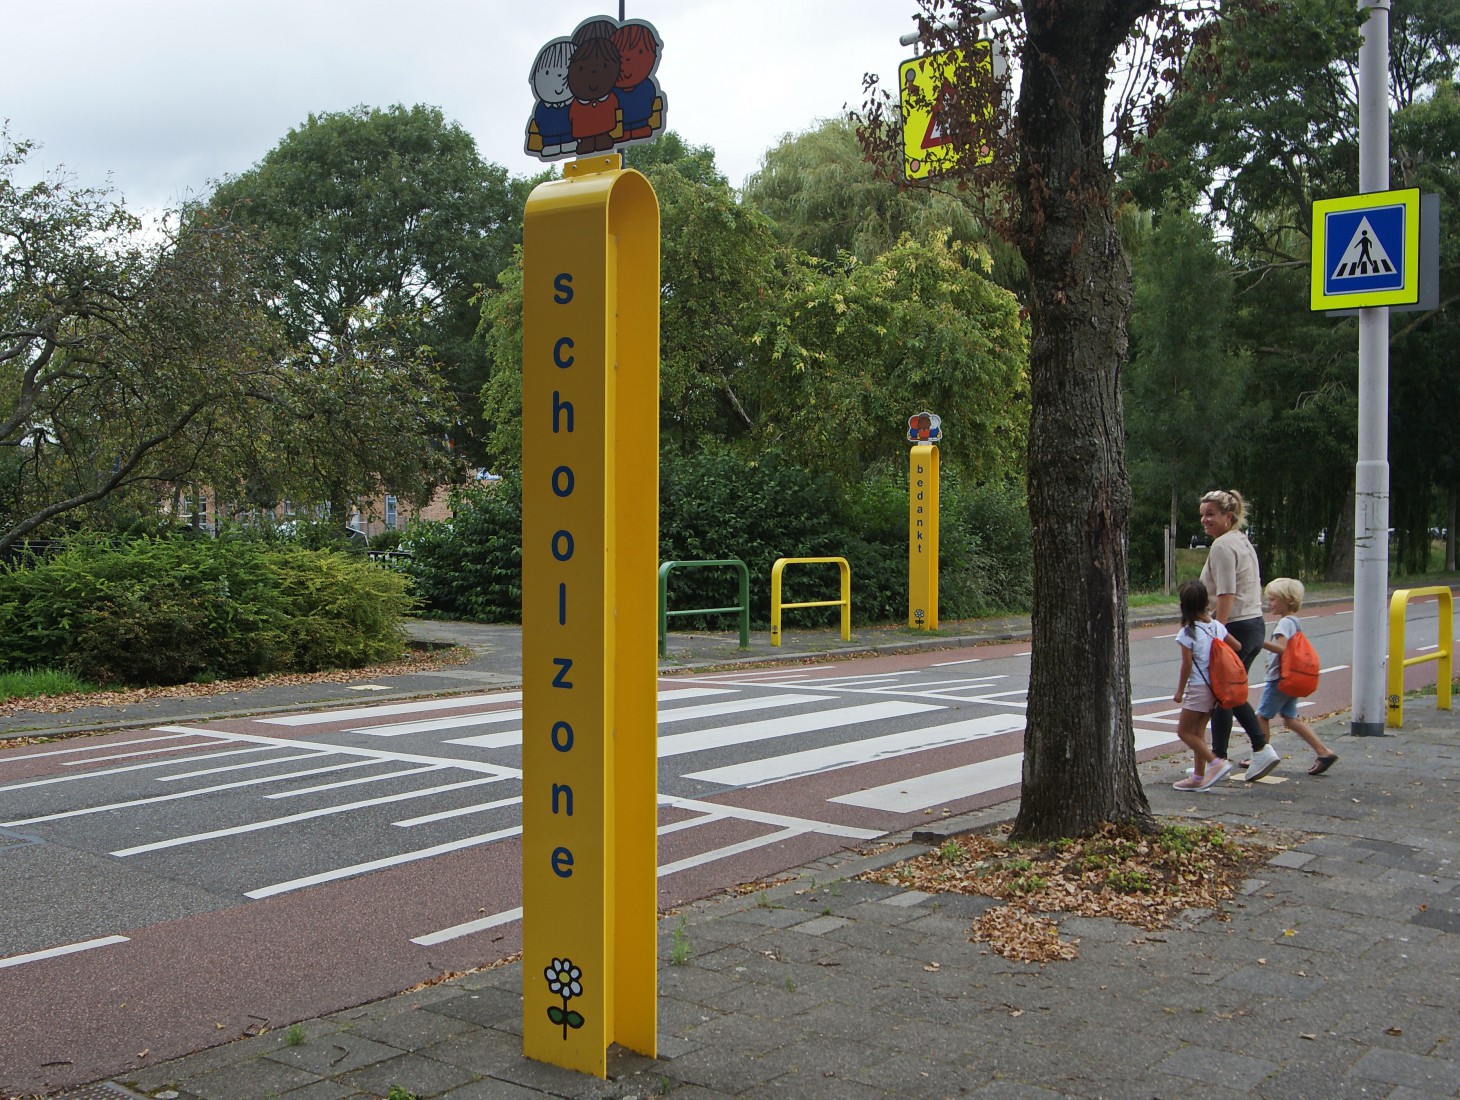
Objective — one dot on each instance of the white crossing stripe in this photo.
(67, 949)
(920, 792)
(511, 738)
(456, 721)
(456, 931)
(380, 864)
(385, 710)
(325, 811)
(773, 769)
(746, 732)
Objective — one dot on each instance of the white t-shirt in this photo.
(1232, 569)
(1287, 626)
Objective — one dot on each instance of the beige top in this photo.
(1232, 568)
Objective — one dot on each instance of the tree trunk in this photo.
(1079, 747)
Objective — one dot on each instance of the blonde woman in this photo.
(1232, 576)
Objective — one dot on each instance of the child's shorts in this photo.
(1275, 703)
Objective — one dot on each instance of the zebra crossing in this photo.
(262, 807)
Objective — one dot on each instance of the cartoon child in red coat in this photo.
(592, 74)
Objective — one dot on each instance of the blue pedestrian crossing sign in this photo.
(1366, 251)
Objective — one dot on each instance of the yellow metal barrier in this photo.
(1398, 662)
(845, 603)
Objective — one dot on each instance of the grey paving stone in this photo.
(483, 1051)
(770, 916)
(1446, 920)
(1013, 1090)
(425, 1077)
(811, 1085)
(1217, 1067)
(322, 1090)
(1292, 859)
(491, 1088)
(1272, 981)
(732, 1071)
(250, 1080)
(485, 1007)
(411, 1030)
(331, 1055)
(1397, 1067)
(820, 926)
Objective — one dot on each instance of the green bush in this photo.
(470, 566)
(718, 504)
(157, 611)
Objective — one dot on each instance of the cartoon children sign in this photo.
(596, 90)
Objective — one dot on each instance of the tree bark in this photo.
(1079, 747)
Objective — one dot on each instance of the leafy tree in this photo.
(825, 198)
(382, 224)
(122, 363)
(1183, 378)
(1260, 134)
(847, 354)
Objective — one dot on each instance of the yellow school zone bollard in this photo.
(590, 470)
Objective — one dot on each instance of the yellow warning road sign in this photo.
(926, 88)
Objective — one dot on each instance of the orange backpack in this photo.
(1226, 675)
(1298, 667)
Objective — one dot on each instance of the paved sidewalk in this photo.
(1336, 975)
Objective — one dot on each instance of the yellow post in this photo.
(1443, 655)
(922, 538)
(590, 401)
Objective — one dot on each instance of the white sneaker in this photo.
(1263, 761)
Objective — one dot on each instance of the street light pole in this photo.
(1371, 475)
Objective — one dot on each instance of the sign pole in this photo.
(590, 477)
(1371, 475)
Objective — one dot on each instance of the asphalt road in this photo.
(170, 888)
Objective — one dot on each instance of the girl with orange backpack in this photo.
(1199, 633)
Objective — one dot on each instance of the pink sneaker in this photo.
(1214, 775)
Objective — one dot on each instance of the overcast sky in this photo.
(167, 96)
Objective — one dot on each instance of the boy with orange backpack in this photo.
(1292, 670)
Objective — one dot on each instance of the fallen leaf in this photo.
(931, 968)
(1305, 1035)
(1394, 1031)
(1290, 931)
(1261, 962)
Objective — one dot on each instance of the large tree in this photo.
(1051, 161)
(383, 225)
(124, 360)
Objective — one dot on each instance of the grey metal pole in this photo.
(1371, 475)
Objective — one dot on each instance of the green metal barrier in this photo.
(845, 603)
(743, 607)
(1394, 714)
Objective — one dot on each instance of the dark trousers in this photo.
(1249, 633)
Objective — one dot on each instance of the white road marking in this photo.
(729, 850)
(920, 792)
(764, 817)
(456, 931)
(385, 710)
(92, 748)
(56, 952)
(127, 768)
(187, 794)
(273, 822)
(774, 769)
(380, 864)
(358, 782)
(237, 767)
(746, 732)
(456, 721)
(511, 738)
(968, 661)
(460, 811)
